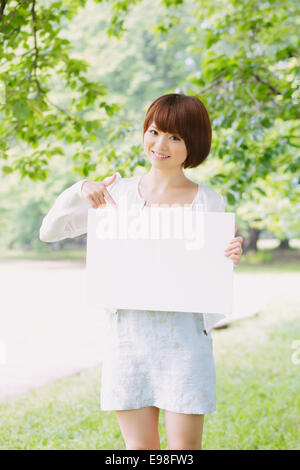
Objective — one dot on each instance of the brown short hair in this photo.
(186, 116)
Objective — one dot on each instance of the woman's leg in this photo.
(140, 428)
(183, 431)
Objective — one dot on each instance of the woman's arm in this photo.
(234, 249)
(68, 217)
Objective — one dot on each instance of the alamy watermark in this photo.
(296, 94)
(2, 93)
(154, 222)
(296, 354)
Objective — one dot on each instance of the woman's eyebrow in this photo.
(152, 125)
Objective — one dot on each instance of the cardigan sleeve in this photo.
(68, 217)
(220, 204)
(213, 202)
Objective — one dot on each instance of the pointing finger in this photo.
(109, 198)
(107, 183)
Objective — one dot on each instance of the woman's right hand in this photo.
(95, 192)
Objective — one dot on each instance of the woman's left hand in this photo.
(234, 250)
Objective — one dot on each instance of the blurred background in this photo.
(76, 79)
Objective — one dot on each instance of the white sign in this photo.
(159, 258)
(2, 352)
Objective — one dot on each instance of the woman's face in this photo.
(157, 143)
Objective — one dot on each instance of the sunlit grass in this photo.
(78, 254)
(266, 256)
(258, 394)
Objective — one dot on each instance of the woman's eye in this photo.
(152, 130)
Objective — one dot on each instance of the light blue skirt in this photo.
(162, 359)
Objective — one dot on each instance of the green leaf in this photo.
(20, 109)
(260, 190)
(231, 197)
(7, 169)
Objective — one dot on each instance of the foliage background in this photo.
(78, 76)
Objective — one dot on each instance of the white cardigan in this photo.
(68, 217)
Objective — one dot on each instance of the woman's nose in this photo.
(162, 143)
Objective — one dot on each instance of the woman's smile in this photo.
(159, 156)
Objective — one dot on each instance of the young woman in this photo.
(155, 359)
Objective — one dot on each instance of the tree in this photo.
(284, 244)
(248, 62)
(250, 243)
(33, 54)
(246, 78)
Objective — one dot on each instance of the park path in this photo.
(47, 332)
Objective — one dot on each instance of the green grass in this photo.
(264, 259)
(258, 385)
(78, 255)
(258, 396)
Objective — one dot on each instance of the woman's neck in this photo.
(164, 180)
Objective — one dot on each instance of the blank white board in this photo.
(159, 258)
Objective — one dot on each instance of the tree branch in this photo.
(63, 111)
(11, 13)
(273, 89)
(36, 50)
(2, 7)
(258, 105)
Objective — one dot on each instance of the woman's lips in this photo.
(157, 157)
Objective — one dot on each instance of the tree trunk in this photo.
(56, 245)
(250, 242)
(284, 244)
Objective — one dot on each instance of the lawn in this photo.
(266, 254)
(258, 395)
